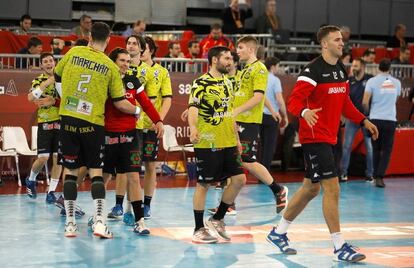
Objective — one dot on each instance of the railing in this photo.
(166, 35)
(40, 31)
(25, 62)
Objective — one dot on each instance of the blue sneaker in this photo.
(348, 253)
(51, 198)
(147, 212)
(31, 188)
(90, 221)
(129, 219)
(116, 212)
(280, 241)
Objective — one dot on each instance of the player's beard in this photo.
(223, 69)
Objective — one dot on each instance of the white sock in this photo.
(100, 210)
(128, 207)
(33, 175)
(337, 240)
(283, 226)
(53, 185)
(70, 211)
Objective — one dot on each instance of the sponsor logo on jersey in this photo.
(336, 90)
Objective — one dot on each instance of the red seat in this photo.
(380, 53)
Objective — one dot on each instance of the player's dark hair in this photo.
(216, 52)
(45, 55)
(324, 31)
(271, 61)
(100, 32)
(115, 53)
(384, 65)
(151, 45)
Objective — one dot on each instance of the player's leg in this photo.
(150, 154)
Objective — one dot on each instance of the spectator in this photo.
(138, 28)
(345, 58)
(274, 113)
(233, 17)
(404, 57)
(84, 28)
(346, 35)
(369, 58)
(398, 39)
(25, 24)
(215, 38)
(380, 97)
(174, 49)
(357, 82)
(193, 53)
(261, 53)
(81, 42)
(34, 47)
(269, 22)
(56, 45)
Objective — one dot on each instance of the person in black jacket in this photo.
(234, 17)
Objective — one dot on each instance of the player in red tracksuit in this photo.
(122, 150)
(319, 98)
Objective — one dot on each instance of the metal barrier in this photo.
(24, 61)
(165, 35)
(40, 31)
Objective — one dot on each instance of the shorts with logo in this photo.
(150, 144)
(48, 138)
(215, 165)
(81, 143)
(122, 152)
(319, 161)
(249, 139)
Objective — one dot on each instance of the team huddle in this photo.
(104, 115)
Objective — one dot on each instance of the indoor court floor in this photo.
(378, 221)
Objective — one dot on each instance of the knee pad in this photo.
(98, 188)
(70, 190)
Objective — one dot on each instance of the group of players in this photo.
(98, 130)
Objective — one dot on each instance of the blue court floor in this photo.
(379, 221)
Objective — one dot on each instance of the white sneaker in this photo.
(204, 236)
(71, 229)
(218, 227)
(140, 228)
(101, 230)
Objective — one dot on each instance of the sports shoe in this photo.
(71, 229)
(60, 203)
(140, 228)
(343, 178)
(282, 199)
(90, 221)
(379, 182)
(147, 212)
(50, 198)
(280, 241)
(369, 179)
(348, 253)
(218, 227)
(129, 219)
(116, 212)
(204, 236)
(31, 188)
(230, 211)
(101, 230)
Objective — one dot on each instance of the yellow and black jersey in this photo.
(213, 97)
(50, 113)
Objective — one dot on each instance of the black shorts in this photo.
(319, 161)
(122, 153)
(150, 144)
(48, 138)
(81, 143)
(249, 139)
(217, 164)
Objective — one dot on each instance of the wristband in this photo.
(37, 92)
(58, 87)
(137, 110)
(303, 112)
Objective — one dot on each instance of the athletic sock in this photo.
(53, 184)
(147, 200)
(199, 219)
(221, 211)
(99, 210)
(119, 200)
(275, 187)
(283, 226)
(70, 211)
(337, 240)
(33, 175)
(128, 207)
(138, 209)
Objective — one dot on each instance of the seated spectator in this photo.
(261, 53)
(57, 46)
(269, 22)
(404, 57)
(369, 58)
(34, 47)
(174, 49)
(138, 28)
(234, 17)
(81, 42)
(215, 38)
(346, 35)
(193, 53)
(84, 28)
(398, 39)
(346, 58)
(25, 24)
